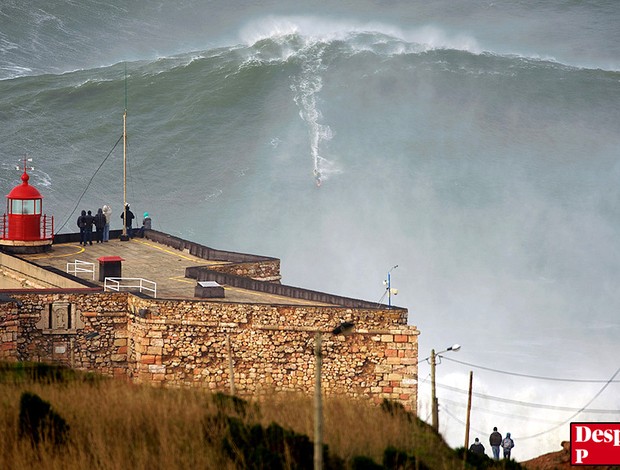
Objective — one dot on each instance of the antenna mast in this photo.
(124, 236)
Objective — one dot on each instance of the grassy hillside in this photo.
(100, 423)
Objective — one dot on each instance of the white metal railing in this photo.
(118, 283)
(81, 267)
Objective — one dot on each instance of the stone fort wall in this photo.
(187, 343)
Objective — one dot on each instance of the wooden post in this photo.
(231, 370)
(434, 404)
(72, 354)
(471, 379)
(318, 405)
(466, 449)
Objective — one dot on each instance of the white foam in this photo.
(316, 28)
(306, 85)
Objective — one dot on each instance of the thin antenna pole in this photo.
(125, 172)
(124, 236)
(389, 288)
(125, 86)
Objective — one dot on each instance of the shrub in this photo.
(364, 463)
(483, 461)
(395, 459)
(38, 422)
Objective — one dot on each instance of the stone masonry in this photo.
(194, 342)
(185, 343)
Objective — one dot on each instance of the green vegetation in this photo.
(55, 418)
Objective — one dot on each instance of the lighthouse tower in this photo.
(24, 228)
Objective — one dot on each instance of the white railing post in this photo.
(81, 267)
(118, 283)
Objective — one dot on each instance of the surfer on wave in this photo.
(317, 177)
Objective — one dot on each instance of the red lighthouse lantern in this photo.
(24, 228)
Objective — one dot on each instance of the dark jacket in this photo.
(477, 448)
(130, 217)
(99, 220)
(495, 439)
(89, 220)
(81, 221)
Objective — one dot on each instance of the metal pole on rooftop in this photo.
(124, 236)
(125, 170)
(389, 285)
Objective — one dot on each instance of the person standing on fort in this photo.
(129, 220)
(107, 211)
(99, 225)
(495, 439)
(89, 219)
(477, 447)
(81, 223)
(507, 445)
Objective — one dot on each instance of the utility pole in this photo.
(345, 329)
(434, 404)
(471, 380)
(435, 412)
(231, 370)
(318, 405)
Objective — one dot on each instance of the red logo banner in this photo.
(595, 443)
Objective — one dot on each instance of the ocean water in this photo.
(475, 145)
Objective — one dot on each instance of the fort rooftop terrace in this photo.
(165, 260)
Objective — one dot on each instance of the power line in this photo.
(529, 376)
(458, 420)
(567, 420)
(499, 413)
(536, 405)
(88, 185)
(524, 403)
(578, 411)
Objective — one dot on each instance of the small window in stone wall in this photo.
(60, 318)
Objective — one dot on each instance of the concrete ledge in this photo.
(202, 273)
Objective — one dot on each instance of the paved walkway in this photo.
(146, 259)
